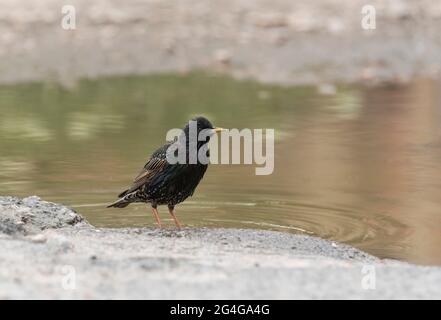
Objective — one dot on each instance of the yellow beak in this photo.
(219, 129)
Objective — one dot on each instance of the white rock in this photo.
(38, 238)
(223, 56)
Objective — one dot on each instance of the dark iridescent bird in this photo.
(162, 182)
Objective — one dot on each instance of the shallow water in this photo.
(361, 166)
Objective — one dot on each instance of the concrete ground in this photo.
(50, 252)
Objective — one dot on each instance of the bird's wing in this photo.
(154, 166)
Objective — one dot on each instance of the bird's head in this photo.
(202, 124)
(195, 137)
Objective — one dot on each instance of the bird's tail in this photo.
(125, 198)
(120, 203)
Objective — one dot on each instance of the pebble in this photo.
(223, 56)
(38, 238)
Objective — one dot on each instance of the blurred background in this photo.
(357, 112)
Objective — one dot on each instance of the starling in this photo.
(163, 182)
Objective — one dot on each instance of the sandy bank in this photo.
(278, 41)
(49, 251)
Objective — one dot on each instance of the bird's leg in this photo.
(155, 213)
(171, 209)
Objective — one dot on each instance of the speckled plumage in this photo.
(163, 183)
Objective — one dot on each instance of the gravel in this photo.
(55, 254)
